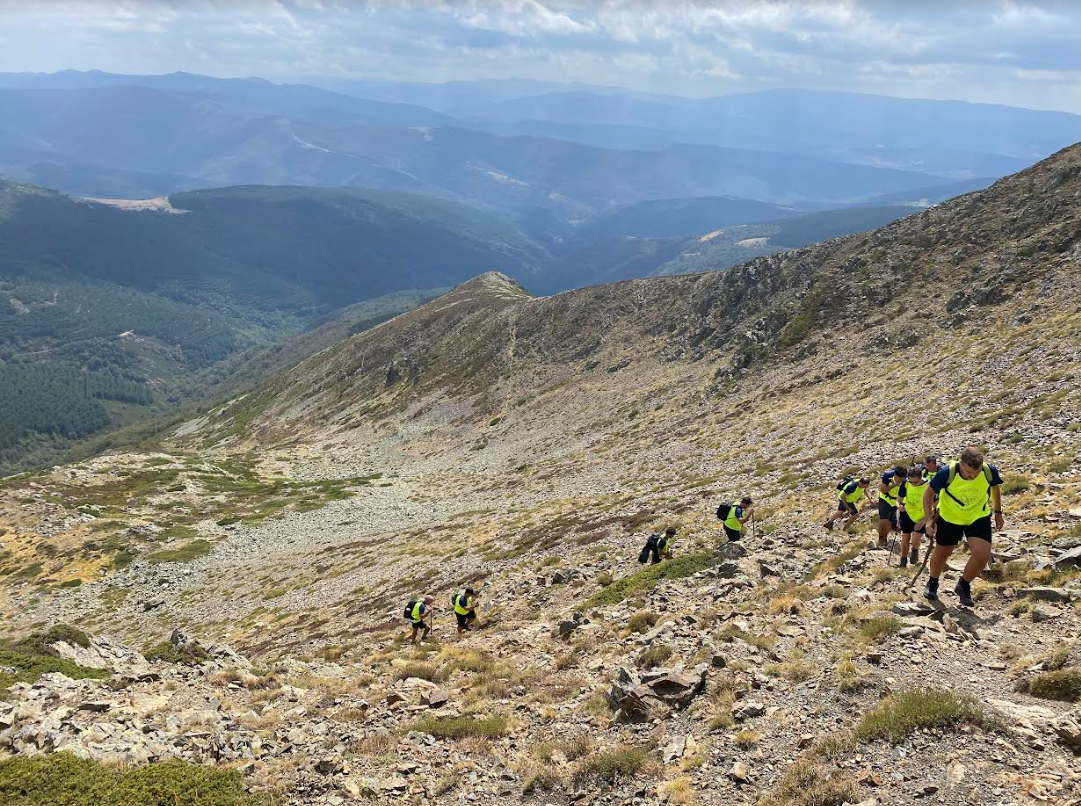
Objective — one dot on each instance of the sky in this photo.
(1013, 52)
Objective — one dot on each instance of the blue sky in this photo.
(1002, 51)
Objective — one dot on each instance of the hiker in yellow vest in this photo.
(931, 467)
(849, 492)
(465, 605)
(738, 515)
(969, 493)
(887, 502)
(911, 515)
(419, 613)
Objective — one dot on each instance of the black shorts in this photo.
(847, 506)
(950, 534)
(887, 513)
(908, 525)
(733, 535)
(463, 620)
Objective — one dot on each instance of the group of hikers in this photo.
(944, 502)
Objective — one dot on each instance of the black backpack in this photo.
(845, 482)
(723, 510)
(409, 608)
(643, 556)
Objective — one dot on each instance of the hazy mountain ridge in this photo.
(168, 133)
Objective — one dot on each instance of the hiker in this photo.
(912, 516)
(969, 492)
(658, 546)
(735, 518)
(849, 491)
(931, 467)
(887, 502)
(465, 609)
(420, 612)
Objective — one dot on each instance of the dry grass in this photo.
(806, 783)
(900, 715)
(609, 766)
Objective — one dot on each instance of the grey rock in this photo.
(1045, 594)
(1069, 559)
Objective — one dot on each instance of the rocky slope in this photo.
(529, 445)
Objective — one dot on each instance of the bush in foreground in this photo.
(60, 779)
(899, 716)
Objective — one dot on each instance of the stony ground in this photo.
(793, 669)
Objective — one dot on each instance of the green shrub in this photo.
(654, 656)
(186, 553)
(879, 628)
(60, 779)
(187, 655)
(900, 715)
(1016, 485)
(641, 621)
(648, 578)
(33, 656)
(425, 671)
(461, 727)
(611, 765)
(1060, 684)
(806, 783)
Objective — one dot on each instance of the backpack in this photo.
(953, 474)
(845, 482)
(409, 608)
(723, 510)
(643, 556)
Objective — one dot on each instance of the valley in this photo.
(527, 446)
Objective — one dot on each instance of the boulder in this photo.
(1068, 728)
(1069, 559)
(730, 551)
(1045, 594)
(635, 696)
(1043, 612)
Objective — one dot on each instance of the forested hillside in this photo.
(109, 315)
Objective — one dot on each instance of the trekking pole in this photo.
(893, 545)
(926, 557)
(752, 526)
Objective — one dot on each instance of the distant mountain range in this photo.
(538, 152)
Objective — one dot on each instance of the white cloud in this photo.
(1012, 51)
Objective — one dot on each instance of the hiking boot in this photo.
(829, 526)
(914, 556)
(903, 563)
(930, 591)
(964, 592)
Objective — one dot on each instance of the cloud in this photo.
(1012, 51)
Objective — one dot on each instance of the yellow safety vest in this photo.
(851, 497)
(458, 608)
(732, 522)
(888, 496)
(418, 611)
(911, 497)
(964, 501)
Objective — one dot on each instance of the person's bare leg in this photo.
(937, 563)
(979, 553)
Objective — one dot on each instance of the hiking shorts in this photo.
(908, 525)
(887, 513)
(950, 534)
(464, 619)
(733, 535)
(847, 506)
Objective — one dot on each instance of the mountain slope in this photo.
(116, 310)
(527, 447)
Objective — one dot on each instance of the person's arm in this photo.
(929, 510)
(748, 516)
(996, 501)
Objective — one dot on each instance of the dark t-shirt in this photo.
(851, 488)
(942, 478)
